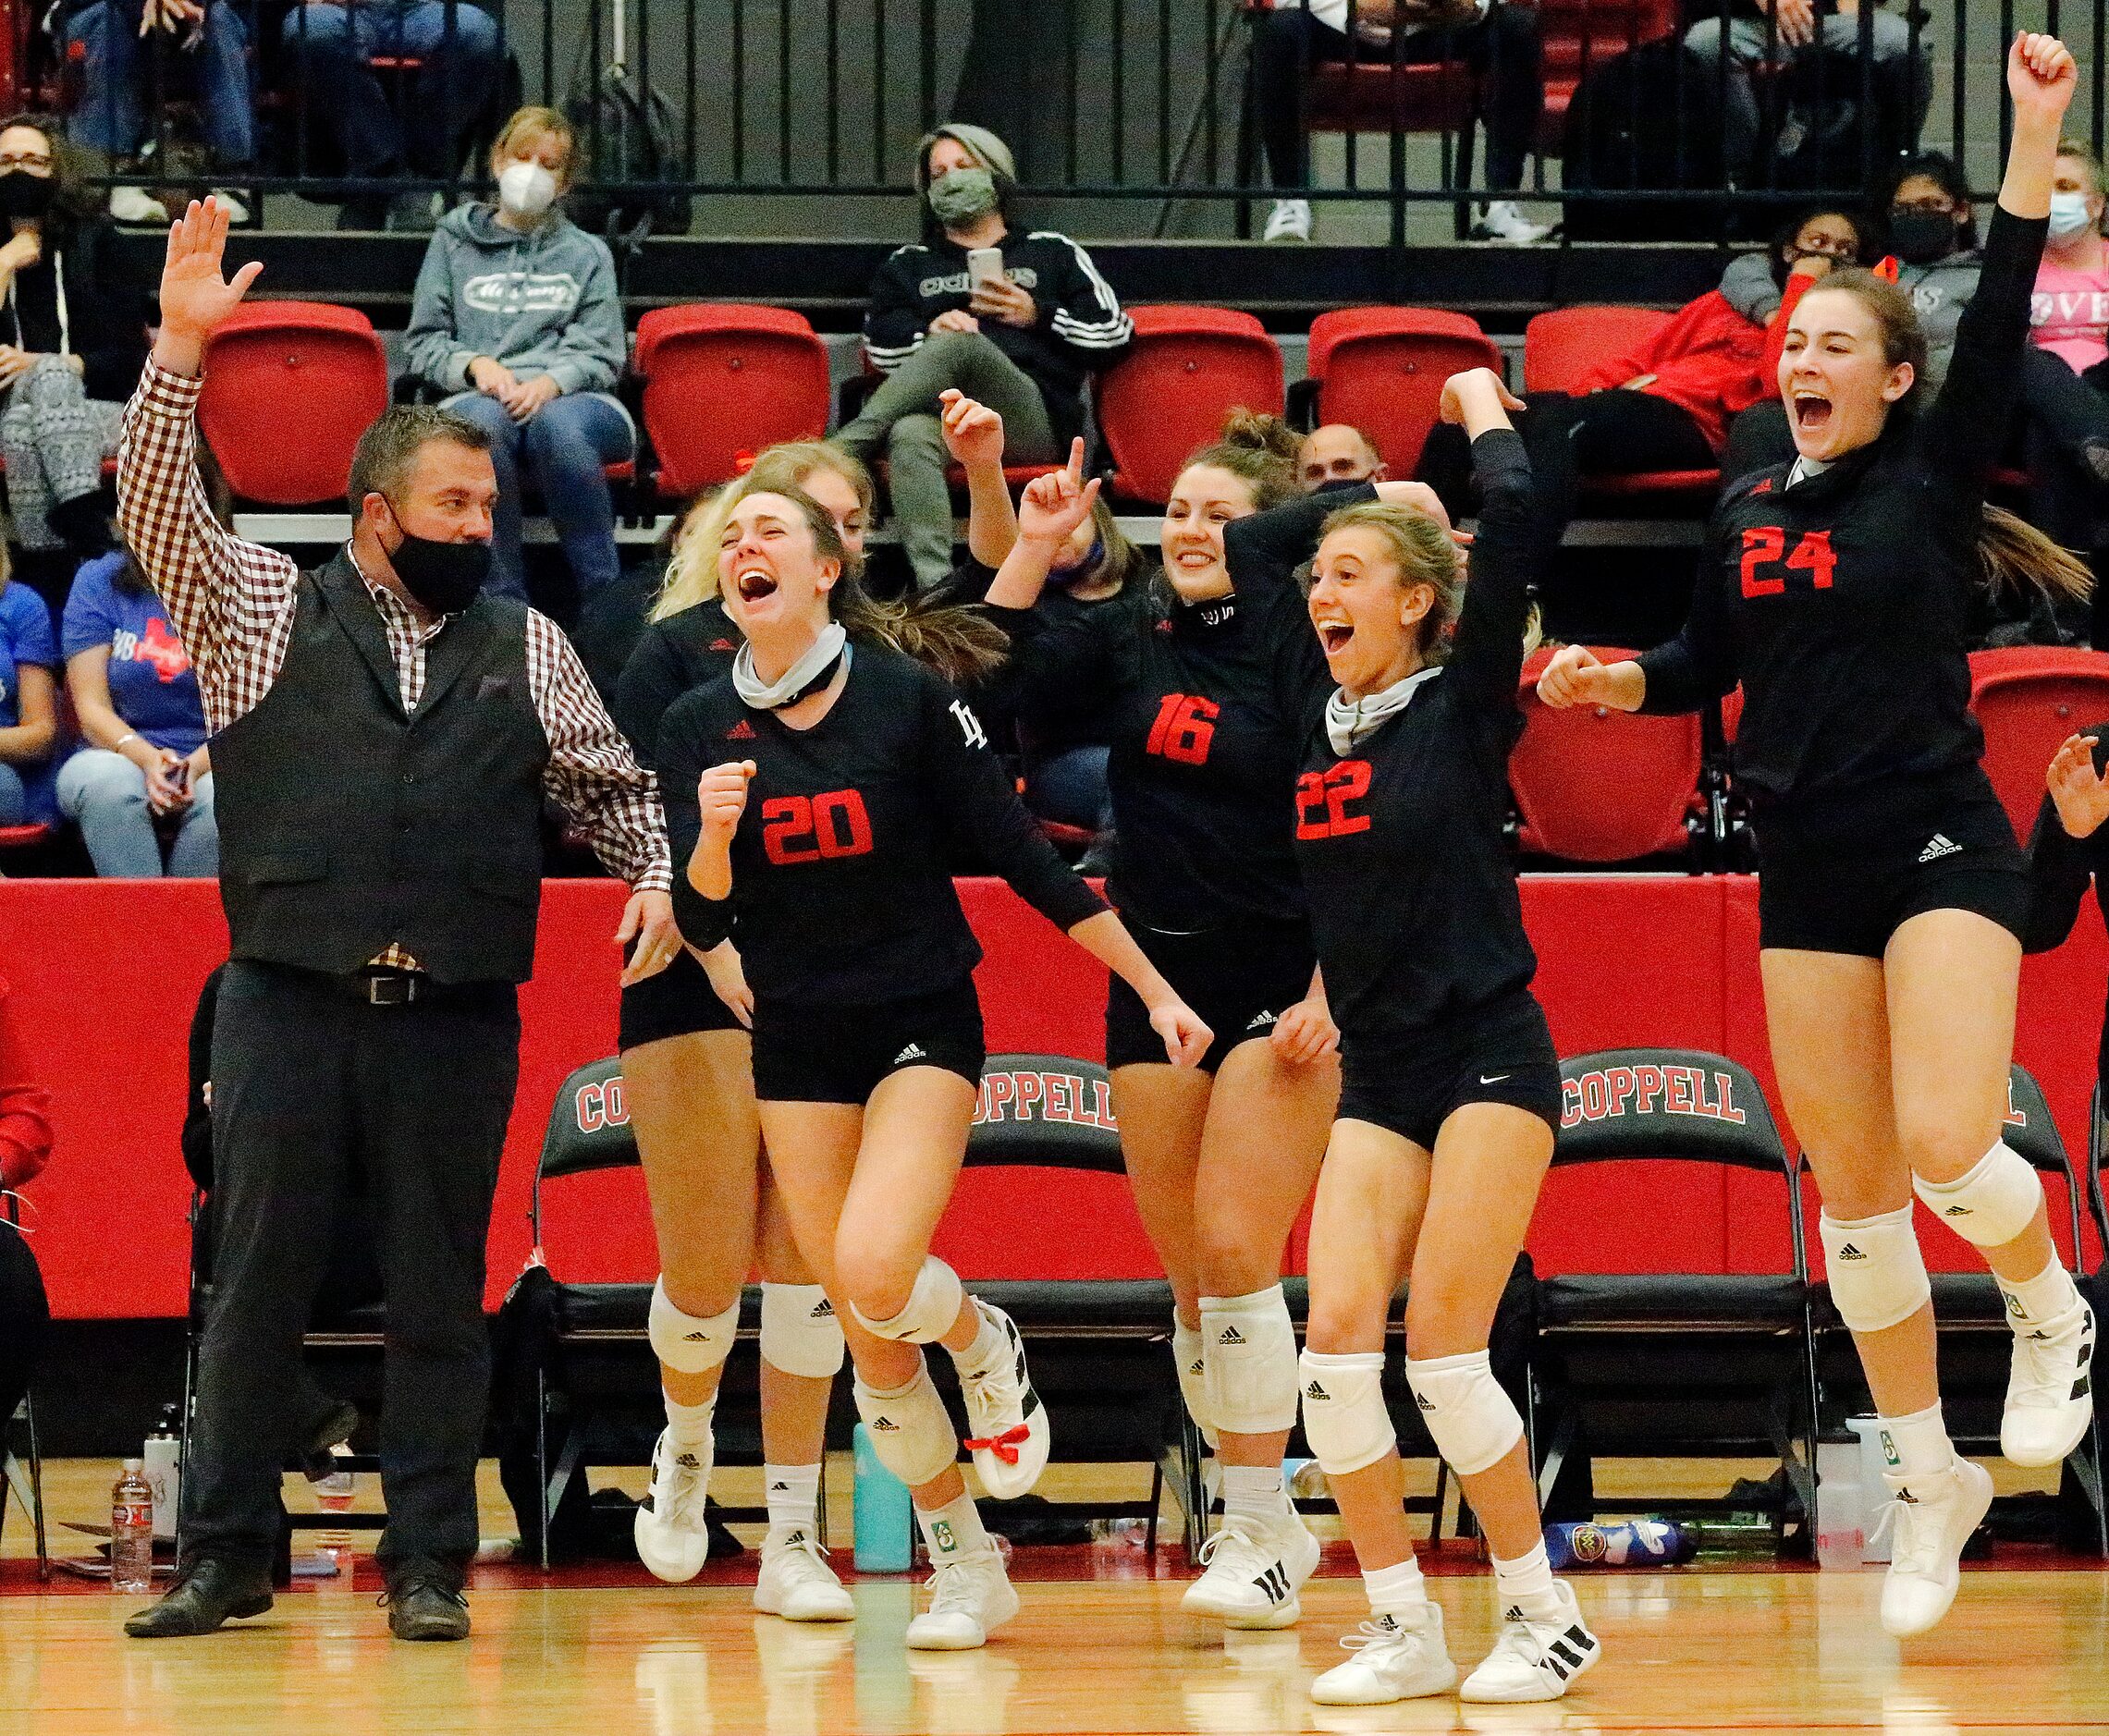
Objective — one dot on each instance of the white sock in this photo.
(1254, 1491)
(990, 1346)
(793, 1497)
(1918, 1445)
(2038, 1301)
(689, 1425)
(1397, 1587)
(1526, 1584)
(952, 1529)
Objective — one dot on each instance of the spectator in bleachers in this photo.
(72, 339)
(1021, 342)
(454, 45)
(1337, 455)
(29, 707)
(143, 773)
(25, 1144)
(1789, 33)
(1497, 41)
(516, 317)
(2068, 850)
(125, 47)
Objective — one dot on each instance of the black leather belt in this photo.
(384, 987)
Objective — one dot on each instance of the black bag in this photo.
(1647, 119)
(633, 163)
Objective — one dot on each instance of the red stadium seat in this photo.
(1576, 36)
(2029, 698)
(1171, 389)
(1561, 345)
(290, 387)
(1593, 785)
(722, 380)
(1382, 369)
(24, 836)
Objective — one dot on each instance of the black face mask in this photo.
(1338, 484)
(24, 195)
(1918, 238)
(443, 577)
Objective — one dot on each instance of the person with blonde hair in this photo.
(515, 319)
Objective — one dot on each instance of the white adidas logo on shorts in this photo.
(1938, 846)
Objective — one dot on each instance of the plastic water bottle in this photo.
(882, 1518)
(334, 1494)
(1841, 1505)
(164, 1471)
(131, 1530)
(1304, 1479)
(1632, 1542)
(1121, 1533)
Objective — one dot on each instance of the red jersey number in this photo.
(1763, 546)
(1322, 799)
(814, 828)
(1184, 728)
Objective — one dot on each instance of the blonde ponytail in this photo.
(2015, 557)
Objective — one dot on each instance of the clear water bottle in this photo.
(1121, 1533)
(164, 1471)
(334, 1494)
(131, 1530)
(882, 1518)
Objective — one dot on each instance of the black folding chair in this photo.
(1693, 1364)
(21, 1468)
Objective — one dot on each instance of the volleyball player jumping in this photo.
(1892, 893)
(813, 795)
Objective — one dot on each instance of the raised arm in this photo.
(1508, 547)
(2068, 846)
(973, 435)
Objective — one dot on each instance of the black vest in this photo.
(346, 825)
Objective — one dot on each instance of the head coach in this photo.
(384, 736)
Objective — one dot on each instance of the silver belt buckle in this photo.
(393, 989)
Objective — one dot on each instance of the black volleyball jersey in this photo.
(1201, 703)
(840, 878)
(1402, 841)
(1843, 603)
(684, 651)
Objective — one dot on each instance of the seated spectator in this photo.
(1498, 41)
(1665, 404)
(74, 339)
(29, 707)
(1790, 33)
(1022, 343)
(455, 43)
(516, 318)
(125, 49)
(144, 773)
(25, 1144)
(1337, 454)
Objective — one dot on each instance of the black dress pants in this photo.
(307, 1082)
(25, 1320)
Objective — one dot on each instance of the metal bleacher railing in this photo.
(1151, 110)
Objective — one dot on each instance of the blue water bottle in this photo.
(883, 1520)
(1650, 1542)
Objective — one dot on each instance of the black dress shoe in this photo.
(424, 1602)
(208, 1593)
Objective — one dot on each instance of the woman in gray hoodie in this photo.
(516, 315)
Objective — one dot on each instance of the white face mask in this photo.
(2069, 213)
(526, 189)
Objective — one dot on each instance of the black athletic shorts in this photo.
(1842, 875)
(839, 1053)
(1409, 1084)
(678, 1002)
(1239, 980)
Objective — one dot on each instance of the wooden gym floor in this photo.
(1100, 1646)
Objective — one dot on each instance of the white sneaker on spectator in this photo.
(1289, 221)
(135, 204)
(234, 204)
(1502, 222)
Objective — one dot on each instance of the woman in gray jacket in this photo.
(516, 315)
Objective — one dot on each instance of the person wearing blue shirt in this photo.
(28, 710)
(144, 771)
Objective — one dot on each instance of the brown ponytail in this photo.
(2015, 557)
(1261, 451)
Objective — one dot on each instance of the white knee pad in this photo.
(1193, 1364)
(1878, 1275)
(1344, 1419)
(800, 1333)
(928, 1314)
(1472, 1421)
(909, 1429)
(1993, 1204)
(1250, 1347)
(689, 1344)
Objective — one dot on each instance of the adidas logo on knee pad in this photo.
(822, 1310)
(1231, 1335)
(1315, 1391)
(885, 1425)
(1850, 1253)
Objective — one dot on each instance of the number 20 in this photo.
(801, 828)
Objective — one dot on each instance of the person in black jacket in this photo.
(2070, 848)
(811, 795)
(1022, 341)
(72, 339)
(1892, 897)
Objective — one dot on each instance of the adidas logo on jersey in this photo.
(1938, 846)
(913, 1052)
(1315, 1391)
(1231, 1336)
(723, 644)
(741, 731)
(1260, 1021)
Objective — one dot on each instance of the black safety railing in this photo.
(1639, 119)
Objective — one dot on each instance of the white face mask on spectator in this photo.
(2069, 213)
(526, 189)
